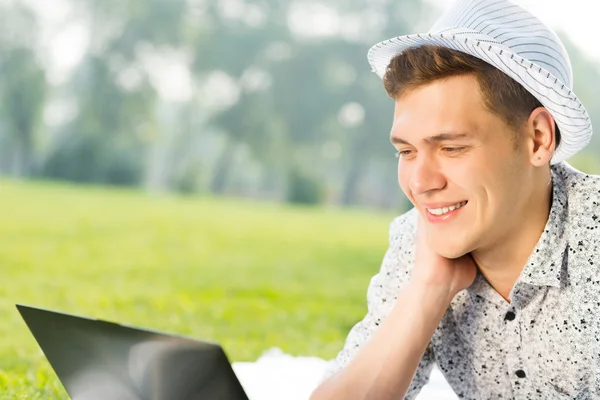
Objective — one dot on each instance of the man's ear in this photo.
(541, 127)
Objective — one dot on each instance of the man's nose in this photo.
(426, 176)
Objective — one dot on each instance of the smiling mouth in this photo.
(445, 210)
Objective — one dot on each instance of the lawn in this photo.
(249, 275)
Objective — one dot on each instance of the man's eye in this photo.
(403, 153)
(452, 149)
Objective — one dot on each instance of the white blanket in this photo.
(276, 376)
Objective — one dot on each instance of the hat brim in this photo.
(569, 113)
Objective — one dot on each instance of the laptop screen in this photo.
(97, 360)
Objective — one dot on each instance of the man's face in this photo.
(459, 166)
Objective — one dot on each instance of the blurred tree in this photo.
(586, 77)
(99, 144)
(311, 83)
(22, 88)
(108, 139)
(22, 97)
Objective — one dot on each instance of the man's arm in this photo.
(384, 368)
(386, 363)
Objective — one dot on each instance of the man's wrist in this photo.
(431, 296)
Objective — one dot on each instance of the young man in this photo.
(494, 275)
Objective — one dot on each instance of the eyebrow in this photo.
(442, 137)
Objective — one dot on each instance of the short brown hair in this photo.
(422, 65)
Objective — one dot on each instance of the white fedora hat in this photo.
(517, 43)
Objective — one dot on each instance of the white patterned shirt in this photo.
(545, 343)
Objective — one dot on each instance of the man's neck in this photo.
(503, 263)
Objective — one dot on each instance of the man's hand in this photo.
(386, 364)
(437, 272)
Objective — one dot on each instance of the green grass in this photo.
(248, 275)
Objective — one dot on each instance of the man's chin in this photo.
(450, 251)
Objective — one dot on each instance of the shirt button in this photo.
(509, 316)
(521, 374)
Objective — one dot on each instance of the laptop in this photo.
(100, 360)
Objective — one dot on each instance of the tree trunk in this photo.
(348, 196)
(23, 151)
(222, 169)
(358, 157)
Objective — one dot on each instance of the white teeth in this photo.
(444, 210)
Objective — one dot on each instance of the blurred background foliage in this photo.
(261, 99)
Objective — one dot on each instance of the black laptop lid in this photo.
(99, 360)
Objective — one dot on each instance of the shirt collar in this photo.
(482, 288)
(544, 266)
